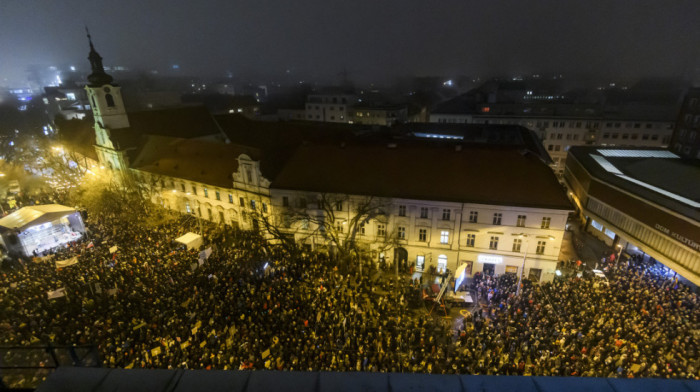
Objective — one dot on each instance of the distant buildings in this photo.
(330, 106)
(642, 116)
(686, 139)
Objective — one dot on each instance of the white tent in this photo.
(191, 240)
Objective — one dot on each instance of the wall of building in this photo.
(433, 229)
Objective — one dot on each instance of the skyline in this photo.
(372, 42)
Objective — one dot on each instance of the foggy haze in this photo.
(372, 40)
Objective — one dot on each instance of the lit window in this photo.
(206, 192)
(402, 233)
(422, 235)
(444, 237)
(230, 198)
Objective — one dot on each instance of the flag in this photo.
(56, 293)
(66, 262)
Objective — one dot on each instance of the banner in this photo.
(203, 255)
(66, 262)
(56, 293)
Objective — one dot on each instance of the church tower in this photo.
(107, 109)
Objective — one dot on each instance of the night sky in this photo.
(371, 39)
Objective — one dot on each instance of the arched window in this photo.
(442, 263)
(110, 100)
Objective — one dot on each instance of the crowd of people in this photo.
(247, 305)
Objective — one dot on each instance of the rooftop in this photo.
(653, 174)
(467, 174)
(195, 160)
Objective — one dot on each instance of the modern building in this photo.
(643, 201)
(686, 137)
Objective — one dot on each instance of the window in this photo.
(252, 204)
(110, 100)
(362, 228)
(493, 243)
(381, 230)
(615, 135)
(540, 247)
(517, 243)
(424, 212)
(241, 201)
(402, 233)
(339, 206)
(625, 136)
(471, 238)
(473, 216)
(654, 137)
(182, 186)
(521, 221)
(545, 222)
(285, 201)
(550, 147)
(301, 202)
(402, 210)
(422, 235)
(221, 216)
(218, 195)
(645, 136)
(442, 263)
(606, 135)
(230, 198)
(264, 207)
(497, 218)
(194, 189)
(187, 207)
(206, 192)
(339, 227)
(557, 148)
(444, 237)
(445, 214)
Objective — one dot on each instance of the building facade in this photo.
(330, 107)
(639, 202)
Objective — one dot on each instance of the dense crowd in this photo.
(153, 304)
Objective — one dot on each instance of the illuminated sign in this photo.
(490, 259)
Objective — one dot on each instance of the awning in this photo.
(34, 215)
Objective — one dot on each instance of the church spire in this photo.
(98, 77)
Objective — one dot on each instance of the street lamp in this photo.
(619, 252)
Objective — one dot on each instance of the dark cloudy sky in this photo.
(367, 37)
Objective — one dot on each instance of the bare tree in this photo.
(338, 220)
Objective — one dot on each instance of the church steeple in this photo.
(98, 77)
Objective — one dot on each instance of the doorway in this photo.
(489, 269)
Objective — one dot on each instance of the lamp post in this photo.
(522, 268)
(619, 253)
